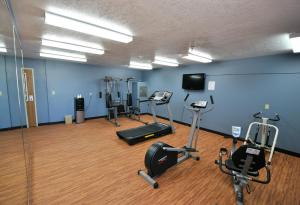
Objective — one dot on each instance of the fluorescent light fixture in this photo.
(197, 58)
(295, 41)
(75, 24)
(199, 53)
(195, 55)
(62, 55)
(138, 65)
(65, 44)
(3, 50)
(47, 55)
(165, 61)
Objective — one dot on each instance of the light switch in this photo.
(267, 106)
(53, 92)
(90, 94)
(1, 93)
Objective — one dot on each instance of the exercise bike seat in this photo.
(230, 165)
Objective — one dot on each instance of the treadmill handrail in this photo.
(141, 101)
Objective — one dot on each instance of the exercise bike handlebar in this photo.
(274, 140)
(258, 116)
(267, 178)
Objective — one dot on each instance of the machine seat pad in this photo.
(230, 165)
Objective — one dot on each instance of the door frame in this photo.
(35, 99)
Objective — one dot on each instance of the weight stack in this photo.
(79, 110)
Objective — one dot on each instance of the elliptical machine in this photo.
(162, 156)
(245, 162)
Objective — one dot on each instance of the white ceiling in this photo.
(226, 29)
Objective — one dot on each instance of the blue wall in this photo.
(66, 79)
(69, 79)
(242, 88)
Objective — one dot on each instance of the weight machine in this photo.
(132, 111)
(111, 102)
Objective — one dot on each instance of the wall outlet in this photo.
(267, 106)
(53, 92)
(90, 94)
(1, 93)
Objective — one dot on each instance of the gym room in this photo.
(149, 102)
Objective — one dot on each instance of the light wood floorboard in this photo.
(88, 164)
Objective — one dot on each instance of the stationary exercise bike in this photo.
(245, 162)
(162, 156)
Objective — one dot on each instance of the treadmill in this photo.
(151, 130)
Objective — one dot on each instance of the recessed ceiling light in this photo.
(195, 55)
(138, 65)
(72, 23)
(295, 41)
(165, 61)
(70, 44)
(62, 55)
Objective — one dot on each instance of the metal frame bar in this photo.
(274, 140)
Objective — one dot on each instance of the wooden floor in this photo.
(88, 164)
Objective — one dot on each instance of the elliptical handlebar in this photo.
(258, 116)
(141, 101)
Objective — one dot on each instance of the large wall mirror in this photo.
(15, 160)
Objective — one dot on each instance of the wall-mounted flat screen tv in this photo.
(193, 81)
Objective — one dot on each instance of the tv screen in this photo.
(193, 81)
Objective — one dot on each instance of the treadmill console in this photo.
(161, 96)
(199, 104)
